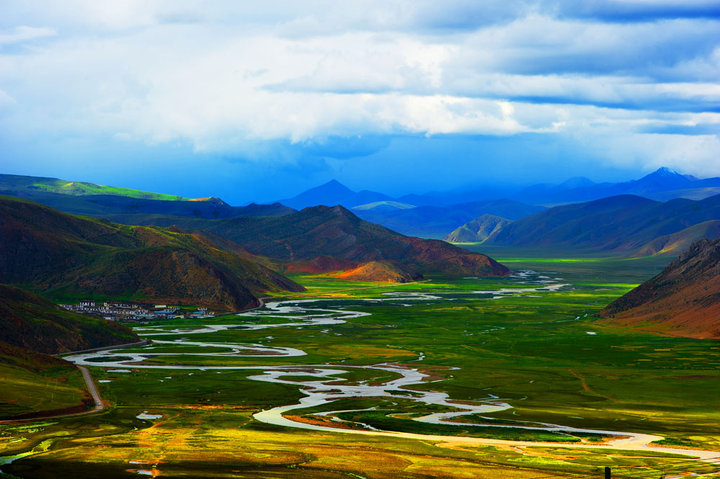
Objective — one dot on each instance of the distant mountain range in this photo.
(437, 221)
(69, 256)
(333, 193)
(625, 225)
(662, 185)
(683, 300)
(435, 215)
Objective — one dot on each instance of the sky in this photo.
(258, 101)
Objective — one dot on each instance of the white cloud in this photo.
(232, 73)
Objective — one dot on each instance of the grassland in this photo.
(541, 351)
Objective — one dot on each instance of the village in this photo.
(118, 311)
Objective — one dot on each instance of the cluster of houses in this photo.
(115, 311)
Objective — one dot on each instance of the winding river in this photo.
(322, 385)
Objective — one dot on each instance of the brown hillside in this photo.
(380, 271)
(683, 300)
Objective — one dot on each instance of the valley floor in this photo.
(473, 377)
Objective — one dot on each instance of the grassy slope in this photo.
(123, 205)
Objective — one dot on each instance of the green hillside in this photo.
(123, 205)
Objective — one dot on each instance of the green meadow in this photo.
(542, 351)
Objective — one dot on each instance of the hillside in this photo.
(69, 256)
(31, 322)
(380, 271)
(32, 328)
(37, 384)
(337, 233)
(619, 225)
(477, 230)
(683, 300)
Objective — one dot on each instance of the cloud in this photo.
(289, 82)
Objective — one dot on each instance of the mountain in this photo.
(69, 256)
(478, 230)
(31, 322)
(53, 384)
(683, 300)
(437, 221)
(621, 224)
(337, 235)
(123, 205)
(333, 193)
(681, 240)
